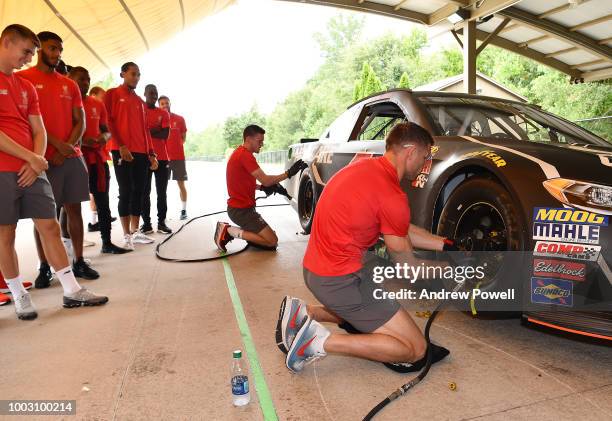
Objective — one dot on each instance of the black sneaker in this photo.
(44, 278)
(81, 269)
(183, 215)
(83, 297)
(163, 228)
(110, 248)
(93, 227)
(146, 228)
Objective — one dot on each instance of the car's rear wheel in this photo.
(306, 201)
(483, 215)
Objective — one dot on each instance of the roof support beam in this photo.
(533, 41)
(527, 52)
(497, 30)
(371, 7)
(442, 13)
(489, 7)
(558, 53)
(558, 31)
(559, 9)
(588, 63)
(469, 56)
(591, 23)
(457, 38)
(596, 75)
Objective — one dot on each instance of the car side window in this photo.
(379, 119)
(340, 130)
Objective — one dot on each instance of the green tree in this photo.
(234, 126)
(343, 31)
(403, 82)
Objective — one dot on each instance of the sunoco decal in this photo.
(572, 271)
(567, 250)
(571, 216)
(552, 291)
(423, 176)
(576, 233)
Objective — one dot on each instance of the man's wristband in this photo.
(152, 154)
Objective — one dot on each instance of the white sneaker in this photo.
(24, 308)
(308, 345)
(140, 238)
(127, 242)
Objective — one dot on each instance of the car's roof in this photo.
(436, 94)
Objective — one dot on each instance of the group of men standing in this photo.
(55, 140)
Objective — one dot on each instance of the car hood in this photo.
(577, 162)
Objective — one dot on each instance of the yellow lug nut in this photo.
(452, 386)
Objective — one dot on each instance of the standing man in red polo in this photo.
(176, 152)
(132, 151)
(25, 191)
(158, 124)
(94, 151)
(62, 112)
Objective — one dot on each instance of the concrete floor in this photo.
(161, 349)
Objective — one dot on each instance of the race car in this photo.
(504, 176)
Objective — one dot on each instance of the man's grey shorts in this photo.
(35, 201)
(248, 219)
(178, 169)
(351, 297)
(69, 181)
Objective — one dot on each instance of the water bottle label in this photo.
(240, 385)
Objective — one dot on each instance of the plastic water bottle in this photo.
(240, 381)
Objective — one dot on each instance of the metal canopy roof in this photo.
(103, 34)
(572, 36)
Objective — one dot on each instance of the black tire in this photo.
(307, 201)
(473, 201)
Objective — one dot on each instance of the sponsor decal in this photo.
(495, 158)
(552, 291)
(324, 155)
(572, 216)
(359, 156)
(65, 94)
(567, 250)
(559, 269)
(576, 233)
(39, 86)
(423, 176)
(3, 91)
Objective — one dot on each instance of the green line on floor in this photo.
(265, 399)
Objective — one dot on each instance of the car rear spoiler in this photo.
(308, 140)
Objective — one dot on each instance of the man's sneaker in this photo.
(146, 228)
(307, 345)
(140, 238)
(4, 289)
(83, 297)
(87, 243)
(93, 227)
(292, 313)
(82, 270)
(110, 248)
(183, 215)
(44, 278)
(4, 299)
(163, 228)
(128, 244)
(24, 308)
(222, 237)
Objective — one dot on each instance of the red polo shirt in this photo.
(126, 120)
(240, 182)
(158, 119)
(95, 114)
(18, 100)
(57, 96)
(174, 145)
(360, 202)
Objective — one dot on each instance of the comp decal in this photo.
(552, 291)
(421, 179)
(567, 250)
(559, 269)
(571, 216)
(573, 233)
(495, 158)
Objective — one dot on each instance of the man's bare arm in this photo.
(78, 126)
(423, 239)
(39, 134)
(268, 180)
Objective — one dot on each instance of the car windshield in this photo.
(457, 116)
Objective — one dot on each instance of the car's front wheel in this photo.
(306, 201)
(482, 214)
